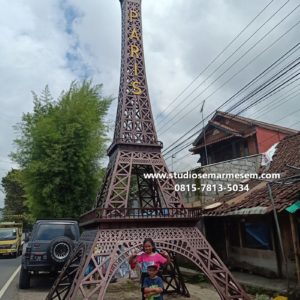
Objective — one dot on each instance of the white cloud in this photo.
(55, 42)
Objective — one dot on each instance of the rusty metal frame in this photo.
(116, 191)
(171, 275)
(63, 284)
(148, 192)
(118, 244)
(134, 122)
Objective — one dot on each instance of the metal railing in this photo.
(141, 213)
(134, 142)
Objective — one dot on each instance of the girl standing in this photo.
(148, 257)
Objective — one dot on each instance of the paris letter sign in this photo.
(134, 50)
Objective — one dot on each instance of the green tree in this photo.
(60, 147)
(14, 201)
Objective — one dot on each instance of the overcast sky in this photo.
(56, 42)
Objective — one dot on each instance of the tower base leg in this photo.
(93, 264)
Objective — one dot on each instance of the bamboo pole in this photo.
(295, 245)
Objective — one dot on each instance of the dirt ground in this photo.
(128, 289)
(123, 289)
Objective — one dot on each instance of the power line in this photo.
(287, 115)
(182, 148)
(276, 89)
(290, 114)
(234, 63)
(193, 129)
(182, 157)
(228, 45)
(262, 74)
(295, 123)
(221, 148)
(232, 116)
(210, 75)
(269, 82)
(275, 101)
(276, 106)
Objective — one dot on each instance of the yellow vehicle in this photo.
(11, 238)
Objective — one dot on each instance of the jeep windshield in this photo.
(49, 232)
(7, 234)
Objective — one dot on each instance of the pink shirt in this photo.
(146, 260)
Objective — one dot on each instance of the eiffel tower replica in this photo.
(131, 207)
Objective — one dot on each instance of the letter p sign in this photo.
(133, 15)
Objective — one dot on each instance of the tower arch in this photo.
(186, 241)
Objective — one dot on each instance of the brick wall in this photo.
(266, 138)
(243, 165)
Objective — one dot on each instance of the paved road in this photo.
(39, 284)
(39, 287)
(8, 265)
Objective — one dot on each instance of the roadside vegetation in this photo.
(59, 149)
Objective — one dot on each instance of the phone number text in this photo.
(229, 187)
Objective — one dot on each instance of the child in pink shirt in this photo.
(145, 260)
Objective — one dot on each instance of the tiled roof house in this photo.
(285, 162)
(241, 226)
(228, 136)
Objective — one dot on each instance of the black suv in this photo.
(50, 245)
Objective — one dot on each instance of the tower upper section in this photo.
(134, 121)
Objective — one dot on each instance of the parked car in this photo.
(11, 238)
(50, 245)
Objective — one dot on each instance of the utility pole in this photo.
(279, 234)
(204, 138)
(173, 156)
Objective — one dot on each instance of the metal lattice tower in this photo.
(129, 206)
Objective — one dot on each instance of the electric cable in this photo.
(265, 85)
(228, 45)
(212, 73)
(275, 89)
(224, 72)
(276, 106)
(289, 114)
(262, 74)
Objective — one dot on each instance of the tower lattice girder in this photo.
(134, 122)
(118, 244)
(116, 227)
(116, 196)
